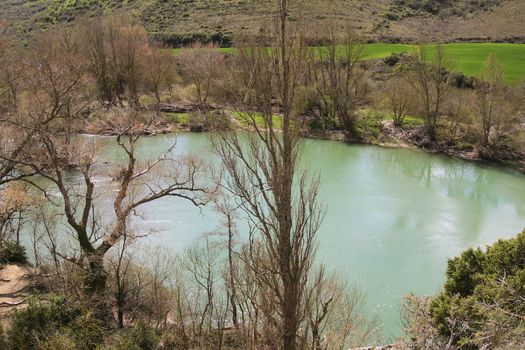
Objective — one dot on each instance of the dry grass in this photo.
(378, 20)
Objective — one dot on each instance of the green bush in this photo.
(391, 16)
(461, 81)
(58, 341)
(481, 288)
(3, 338)
(139, 337)
(13, 253)
(393, 59)
(54, 321)
(185, 39)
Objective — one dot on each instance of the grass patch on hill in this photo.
(468, 58)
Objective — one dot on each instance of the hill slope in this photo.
(404, 20)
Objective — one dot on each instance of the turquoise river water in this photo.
(393, 218)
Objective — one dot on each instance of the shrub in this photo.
(393, 59)
(13, 253)
(55, 321)
(3, 339)
(58, 341)
(140, 337)
(199, 122)
(391, 16)
(461, 81)
(186, 39)
(483, 288)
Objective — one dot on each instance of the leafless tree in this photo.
(229, 230)
(338, 77)
(14, 204)
(279, 202)
(429, 79)
(159, 71)
(399, 99)
(493, 103)
(115, 48)
(11, 73)
(119, 267)
(135, 183)
(335, 318)
(198, 66)
(202, 262)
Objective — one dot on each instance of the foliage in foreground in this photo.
(482, 305)
(58, 322)
(13, 253)
(53, 323)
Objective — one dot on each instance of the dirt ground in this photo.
(15, 283)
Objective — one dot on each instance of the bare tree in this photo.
(135, 184)
(53, 85)
(159, 71)
(119, 268)
(11, 73)
(491, 101)
(229, 230)
(202, 263)
(198, 65)
(116, 48)
(338, 78)
(130, 48)
(14, 204)
(335, 318)
(279, 202)
(429, 79)
(459, 116)
(399, 99)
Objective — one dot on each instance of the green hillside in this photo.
(380, 20)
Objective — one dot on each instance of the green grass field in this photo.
(246, 120)
(466, 57)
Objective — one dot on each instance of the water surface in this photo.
(393, 218)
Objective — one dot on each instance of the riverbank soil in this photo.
(16, 283)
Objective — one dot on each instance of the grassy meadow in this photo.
(466, 57)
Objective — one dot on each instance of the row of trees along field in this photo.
(97, 287)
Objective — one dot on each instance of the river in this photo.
(393, 218)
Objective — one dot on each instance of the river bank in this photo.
(184, 117)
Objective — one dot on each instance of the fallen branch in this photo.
(13, 294)
(11, 304)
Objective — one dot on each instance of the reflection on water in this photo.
(393, 215)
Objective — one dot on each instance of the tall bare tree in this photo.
(429, 79)
(116, 49)
(490, 98)
(279, 200)
(338, 78)
(198, 65)
(159, 71)
(135, 184)
(399, 99)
